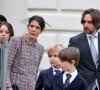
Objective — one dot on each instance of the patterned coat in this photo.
(23, 62)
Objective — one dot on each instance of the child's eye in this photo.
(50, 56)
(7, 32)
(55, 55)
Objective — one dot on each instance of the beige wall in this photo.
(63, 16)
(15, 11)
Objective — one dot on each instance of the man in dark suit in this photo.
(89, 67)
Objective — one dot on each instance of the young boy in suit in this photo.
(45, 78)
(69, 79)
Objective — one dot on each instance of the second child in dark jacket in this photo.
(46, 77)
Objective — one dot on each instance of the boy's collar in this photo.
(73, 73)
(56, 69)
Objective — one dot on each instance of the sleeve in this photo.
(12, 50)
(39, 83)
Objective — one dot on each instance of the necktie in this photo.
(93, 50)
(67, 81)
(57, 72)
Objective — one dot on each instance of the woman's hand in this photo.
(9, 88)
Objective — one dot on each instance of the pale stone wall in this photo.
(63, 16)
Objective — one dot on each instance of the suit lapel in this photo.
(99, 48)
(60, 81)
(50, 74)
(85, 49)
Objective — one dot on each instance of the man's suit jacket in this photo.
(86, 65)
(45, 80)
(77, 84)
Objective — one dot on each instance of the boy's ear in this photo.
(73, 62)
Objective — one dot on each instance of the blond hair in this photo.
(57, 48)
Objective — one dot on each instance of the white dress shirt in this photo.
(73, 76)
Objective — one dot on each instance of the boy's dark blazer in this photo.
(45, 80)
(77, 84)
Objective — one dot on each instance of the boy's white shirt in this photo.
(73, 76)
